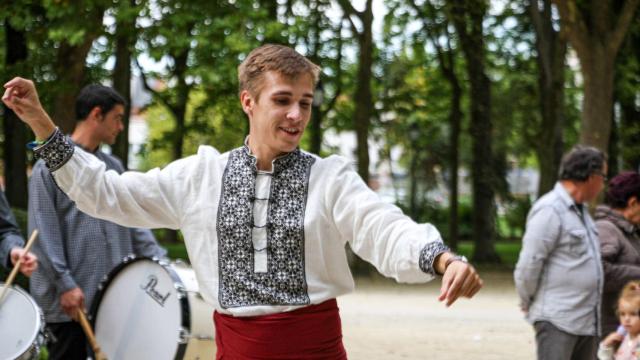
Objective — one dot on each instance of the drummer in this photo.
(11, 241)
(77, 250)
(266, 224)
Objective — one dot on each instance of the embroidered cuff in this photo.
(428, 255)
(56, 151)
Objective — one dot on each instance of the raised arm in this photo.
(20, 95)
(148, 200)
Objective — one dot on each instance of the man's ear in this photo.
(632, 201)
(95, 113)
(247, 102)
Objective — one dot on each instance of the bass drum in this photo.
(21, 325)
(150, 309)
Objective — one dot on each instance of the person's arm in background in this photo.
(540, 238)
(43, 216)
(149, 200)
(145, 244)
(11, 241)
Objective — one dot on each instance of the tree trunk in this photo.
(316, 130)
(363, 97)
(596, 30)
(70, 69)
(630, 148)
(122, 80)
(472, 13)
(413, 189)
(455, 121)
(598, 72)
(551, 48)
(15, 132)
(614, 149)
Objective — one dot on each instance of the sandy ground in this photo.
(384, 320)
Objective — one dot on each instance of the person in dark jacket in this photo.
(617, 223)
(11, 242)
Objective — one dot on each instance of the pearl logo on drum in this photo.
(150, 289)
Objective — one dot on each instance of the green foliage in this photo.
(411, 94)
(508, 252)
(513, 219)
(176, 251)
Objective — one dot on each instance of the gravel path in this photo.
(385, 320)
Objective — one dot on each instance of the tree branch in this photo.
(147, 87)
(576, 29)
(624, 21)
(338, 77)
(350, 10)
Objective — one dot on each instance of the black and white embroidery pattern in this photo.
(428, 255)
(56, 151)
(284, 283)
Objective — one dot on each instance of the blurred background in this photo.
(456, 111)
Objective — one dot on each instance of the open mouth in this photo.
(290, 131)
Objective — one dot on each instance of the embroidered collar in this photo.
(277, 165)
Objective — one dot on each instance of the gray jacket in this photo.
(559, 276)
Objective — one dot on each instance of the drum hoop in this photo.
(33, 339)
(184, 300)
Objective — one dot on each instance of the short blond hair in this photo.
(271, 57)
(631, 294)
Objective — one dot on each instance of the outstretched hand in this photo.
(459, 279)
(20, 95)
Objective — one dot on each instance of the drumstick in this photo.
(16, 267)
(92, 339)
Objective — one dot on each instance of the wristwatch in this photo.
(455, 258)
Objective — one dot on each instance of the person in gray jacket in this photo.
(559, 275)
(617, 222)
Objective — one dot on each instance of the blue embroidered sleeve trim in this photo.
(428, 255)
(56, 151)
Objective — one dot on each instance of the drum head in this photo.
(20, 323)
(139, 315)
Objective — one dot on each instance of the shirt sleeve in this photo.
(145, 244)
(49, 247)
(605, 352)
(540, 238)
(379, 232)
(9, 233)
(154, 199)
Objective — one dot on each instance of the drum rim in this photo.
(183, 300)
(39, 316)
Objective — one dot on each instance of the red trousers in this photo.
(312, 332)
